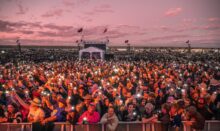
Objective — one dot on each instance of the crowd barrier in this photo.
(122, 126)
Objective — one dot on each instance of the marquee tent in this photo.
(91, 53)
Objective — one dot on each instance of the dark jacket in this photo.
(199, 122)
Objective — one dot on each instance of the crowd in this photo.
(165, 87)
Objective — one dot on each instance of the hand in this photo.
(3, 119)
(68, 117)
(44, 122)
(154, 120)
(189, 123)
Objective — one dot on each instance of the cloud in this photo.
(99, 9)
(68, 2)
(85, 18)
(173, 11)
(189, 20)
(53, 13)
(211, 27)
(37, 42)
(6, 26)
(21, 9)
(57, 27)
(208, 27)
(53, 31)
(131, 27)
(74, 3)
(27, 32)
(214, 19)
(167, 38)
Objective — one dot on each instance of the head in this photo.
(191, 111)
(36, 103)
(149, 107)
(165, 108)
(111, 111)
(87, 99)
(134, 101)
(106, 101)
(81, 89)
(118, 102)
(11, 108)
(195, 96)
(143, 102)
(91, 108)
(201, 103)
(54, 96)
(181, 104)
(129, 95)
(130, 107)
(61, 103)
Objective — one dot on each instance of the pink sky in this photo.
(142, 22)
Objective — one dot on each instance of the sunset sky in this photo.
(142, 22)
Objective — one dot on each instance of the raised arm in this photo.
(21, 102)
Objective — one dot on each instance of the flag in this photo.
(126, 41)
(187, 41)
(105, 30)
(17, 41)
(80, 30)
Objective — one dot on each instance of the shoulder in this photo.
(86, 112)
(105, 115)
(115, 117)
(17, 113)
(40, 110)
(96, 113)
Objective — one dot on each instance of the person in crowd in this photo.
(104, 106)
(36, 113)
(72, 116)
(58, 114)
(141, 107)
(195, 119)
(164, 116)
(12, 115)
(204, 109)
(130, 114)
(175, 117)
(90, 116)
(149, 115)
(110, 119)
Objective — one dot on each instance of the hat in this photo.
(62, 101)
(87, 97)
(36, 102)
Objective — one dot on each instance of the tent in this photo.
(91, 53)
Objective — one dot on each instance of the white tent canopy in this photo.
(91, 50)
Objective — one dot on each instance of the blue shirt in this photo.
(60, 114)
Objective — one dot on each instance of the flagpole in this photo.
(18, 45)
(189, 46)
(80, 31)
